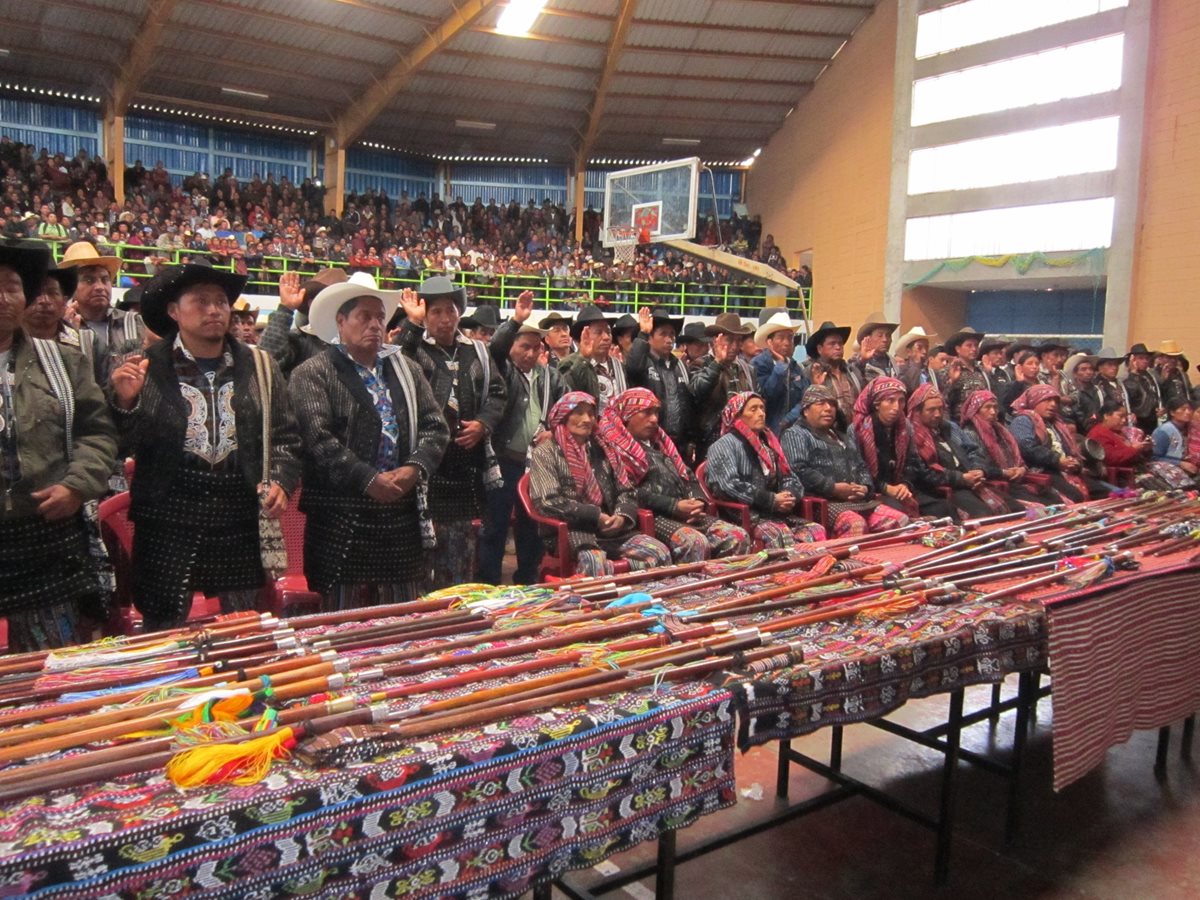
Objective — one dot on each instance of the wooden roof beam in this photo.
(359, 115)
(141, 55)
(612, 58)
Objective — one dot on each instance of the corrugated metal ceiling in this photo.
(725, 71)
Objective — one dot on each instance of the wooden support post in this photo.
(335, 176)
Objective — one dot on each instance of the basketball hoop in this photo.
(624, 240)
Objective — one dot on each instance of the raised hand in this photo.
(290, 294)
(127, 381)
(524, 308)
(413, 306)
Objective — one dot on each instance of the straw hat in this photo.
(82, 254)
(916, 333)
(875, 320)
(1169, 348)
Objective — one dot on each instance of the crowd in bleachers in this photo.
(264, 226)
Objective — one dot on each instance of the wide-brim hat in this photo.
(1139, 349)
(780, 321)
(68, 280)
(659, 316)
(1109, 354)
(1074, 360)
(587, 316)
(486, 316)
(1016, 347)
(730, 324)
(875, 320)
(625, 323)
(694, 333)
(82, 255)
(827, 329)
(555, 318)
(132, 298)
(916, 333)
(31, 260)
(963, 334)
(168, 285)
(440, 286)
(243, 307)
(322, 315)
(987, 345)
(322, 280)
(1049, 345)
(1169, 348)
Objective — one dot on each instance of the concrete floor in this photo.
(1117, 833)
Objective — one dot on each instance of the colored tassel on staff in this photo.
(246, 762)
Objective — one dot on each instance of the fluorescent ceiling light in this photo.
(238, 92)
(757, 153)
(518, 17)
(472, 123)
(681, 142)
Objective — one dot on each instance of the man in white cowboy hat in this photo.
(781, 381)
(1083, 397)
(874, 343)
(372, 435)
(112, 333)
(472, 395)
(912, 358)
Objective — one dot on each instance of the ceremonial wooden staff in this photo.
(853, 608)
(582, 585)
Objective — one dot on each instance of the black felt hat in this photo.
(625, 323)
(485, 316)
(168, 286)
(31, 260)
(963, 334)
(827, 329)
(693, 333)
(587, 316)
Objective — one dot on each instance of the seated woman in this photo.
(900, 477)
(1027, 365)
(1113, 434)
(574, 478)
(1048, 445)
(1171, 439)
(942, 446)
(665, 485)
(747, 465)
(824, 456)
(995, 450)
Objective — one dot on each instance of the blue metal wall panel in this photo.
(1032, 312)
(505, 183)
(379, 170)
(58, 128)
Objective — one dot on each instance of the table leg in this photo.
(1026, 697)
(783, 770)
(835, 748)
(945, 830)
(995, 706)
(1160, 757)
(1189, 731)
(543, 891)
(664, 877)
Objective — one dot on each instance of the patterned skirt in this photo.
(202, 537)
(360, 542)
(45, 573)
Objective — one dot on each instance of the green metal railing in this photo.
(682, 298)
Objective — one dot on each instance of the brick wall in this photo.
(1166, 275)
(822, 182)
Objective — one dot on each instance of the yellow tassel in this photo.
(247, 762)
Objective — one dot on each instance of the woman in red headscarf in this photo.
(1049, 445)
(747, 465)
(997, 453)
(665, 485)
(575, 478)
(902, 479)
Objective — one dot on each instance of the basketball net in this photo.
(624, 240)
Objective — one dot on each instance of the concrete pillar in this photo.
(906, 48)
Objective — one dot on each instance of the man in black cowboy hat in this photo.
(1053, 354)
(558, 336)
(472, 393)
(44, 317)
(1145, 398)
(651, 364)
(826, 364)
(723, 374)
(191, 414)
(481, 324)
(624, 330)
(291, 347)
(694, 342)
(592, 368)
(991, 362)
(963, 375)
(46, 571)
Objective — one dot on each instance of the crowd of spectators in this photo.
(265, 226)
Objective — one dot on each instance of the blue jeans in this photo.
(501, 504)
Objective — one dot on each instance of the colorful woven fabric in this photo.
(576, 452)
(613, 434)
(864, 424)
(923, 438)
(764, 444)
(998, 442)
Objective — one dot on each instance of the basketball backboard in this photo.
(658, 201)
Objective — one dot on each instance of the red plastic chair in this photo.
(815, 509)
(116, 529)
(1121, 476)
(561, 563)
(290, 594)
